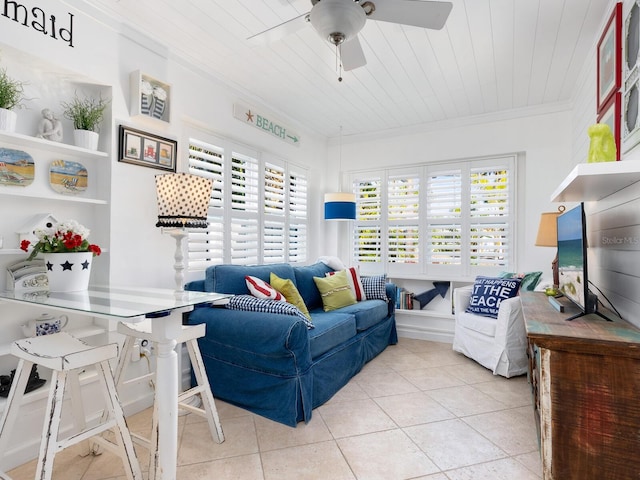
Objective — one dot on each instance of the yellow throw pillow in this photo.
(335, 291)
(290, 292)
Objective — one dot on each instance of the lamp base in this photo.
(556, 274)
(178, 234)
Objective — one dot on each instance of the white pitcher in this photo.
(44, 325)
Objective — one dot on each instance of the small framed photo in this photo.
(150, 98)
(631, 116)
(631, 44)
(611, 115)
(146, 149)
(609, 66)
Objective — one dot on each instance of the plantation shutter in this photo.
(206, 246)
(367, 242)
(490, 214)
(444, 219)
(274, 210)
(403, 222)
(297, 216)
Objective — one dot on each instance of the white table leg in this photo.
(165, 330)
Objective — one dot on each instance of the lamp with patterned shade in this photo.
(183, 202)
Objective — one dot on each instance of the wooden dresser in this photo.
(585, 379)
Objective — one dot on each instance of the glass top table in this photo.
(121, 302)
(165, 308)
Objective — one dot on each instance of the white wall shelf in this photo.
(595, 181)
(21, 140)
(19, 192)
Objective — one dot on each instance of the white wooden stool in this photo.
(189, 336)
(65, 356)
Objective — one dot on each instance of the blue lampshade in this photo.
(339, 206)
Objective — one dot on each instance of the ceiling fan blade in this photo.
(278, 32)
(352, 55)
(412, 12)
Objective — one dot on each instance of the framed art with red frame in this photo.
(611, 115)
(609, 71)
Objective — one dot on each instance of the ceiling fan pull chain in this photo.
(339, 61)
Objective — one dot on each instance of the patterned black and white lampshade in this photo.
(183, 200)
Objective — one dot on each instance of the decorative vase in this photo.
(86, 139)
(68, 272)
(8, 119)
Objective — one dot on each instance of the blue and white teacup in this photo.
(45, 324)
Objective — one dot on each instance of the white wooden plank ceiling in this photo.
(491, 56)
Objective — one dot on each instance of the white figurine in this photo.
(50, 127)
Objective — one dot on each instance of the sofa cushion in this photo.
(306, 285)
(355, 283)
(330, 330)
(477, 323)
(375, 287)
(250, 303)
(335, 291)
(367, 313)
(488, 292)
(290, 292)
(261, 289)
(230, 278)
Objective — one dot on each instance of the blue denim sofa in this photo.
(272, 364)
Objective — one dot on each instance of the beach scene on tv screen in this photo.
(570, 256)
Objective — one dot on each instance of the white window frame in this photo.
(423, 267)
(229, 224)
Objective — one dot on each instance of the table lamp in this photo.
(548, 237)
(183, 202)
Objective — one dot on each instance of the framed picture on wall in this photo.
(148, 150)
(610, 58)
(610, 115)
(630, 117)
(631, 44)
(150, 98)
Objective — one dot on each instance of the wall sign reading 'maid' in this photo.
(266, 123)
(39, 20)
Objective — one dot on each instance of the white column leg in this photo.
(13, 404)
(166, 330)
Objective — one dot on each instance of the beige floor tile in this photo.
(413, 409)
(504, 469)
(197, 445)
(383, 384)
(272, 435)
(319, 461)
(349, 393)
(532, 461)
(422, 346)
(431, 378)
(403, 459)
(441, 357)
(514, 430)
(465, 400)
(245, 467)
(469, 371)
(435, 476)
(405, 361)
(512, 392)
(453, 444)
(355, 418)
(226, 410)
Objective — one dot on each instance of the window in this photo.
(453, 219)
(258, 207)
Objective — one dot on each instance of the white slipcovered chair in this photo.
(497, 344)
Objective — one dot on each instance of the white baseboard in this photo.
(425, 333)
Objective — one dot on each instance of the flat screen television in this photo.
(572, 261)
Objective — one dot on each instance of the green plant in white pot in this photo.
(86, 115)
(11, 97)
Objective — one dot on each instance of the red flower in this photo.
(24, 245)
(95, 249)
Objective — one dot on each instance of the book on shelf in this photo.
(404, 299)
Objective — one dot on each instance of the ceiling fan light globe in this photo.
(335, 19)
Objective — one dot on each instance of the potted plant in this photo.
(11, 97)
(86, 115)
(67, 254)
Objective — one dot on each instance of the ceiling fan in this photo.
(339, 22)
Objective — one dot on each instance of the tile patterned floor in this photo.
(417, 411)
